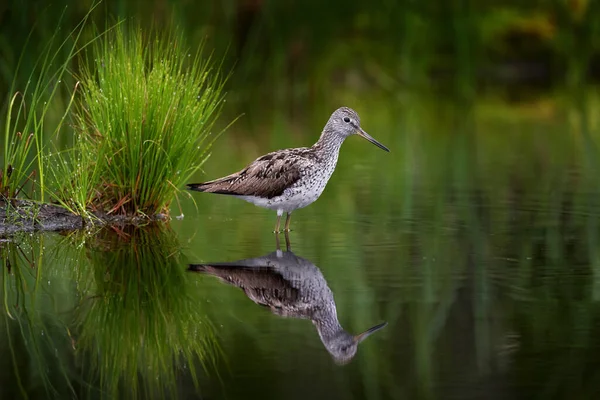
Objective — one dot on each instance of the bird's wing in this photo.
(264, 286)
(267, 176)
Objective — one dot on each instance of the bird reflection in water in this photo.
(294, 287)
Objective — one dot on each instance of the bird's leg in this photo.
(278, 247)
(287, 222)
(278, 222)
(288, 245)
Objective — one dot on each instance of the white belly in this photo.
(289, 201)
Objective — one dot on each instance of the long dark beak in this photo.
(364, 134)
(362, 336)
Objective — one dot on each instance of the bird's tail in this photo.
(199, 267)
(220, 185)
(211, 270)
(214, 268)
(200, 187)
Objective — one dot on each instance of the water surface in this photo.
(475, 239)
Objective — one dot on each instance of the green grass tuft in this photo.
(143, 123)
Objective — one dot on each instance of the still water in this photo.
(477, 243)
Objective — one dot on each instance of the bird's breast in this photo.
(313, 182)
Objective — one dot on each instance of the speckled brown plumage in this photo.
(268, 176)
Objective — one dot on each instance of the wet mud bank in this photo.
(28, 216)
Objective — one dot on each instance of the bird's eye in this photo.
(346, 119)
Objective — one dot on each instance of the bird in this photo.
(291, 286)
(288, 179)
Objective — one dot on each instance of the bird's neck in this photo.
(327, 324)
(329, 143)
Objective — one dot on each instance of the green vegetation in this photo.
(145, 107)
(143, 124)
(286, 57)
(22, 141)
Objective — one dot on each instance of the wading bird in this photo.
(289, 179)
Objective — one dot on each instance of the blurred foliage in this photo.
(32, 104)
(293, 52)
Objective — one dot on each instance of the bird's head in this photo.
(345, 122)
(343, 345)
